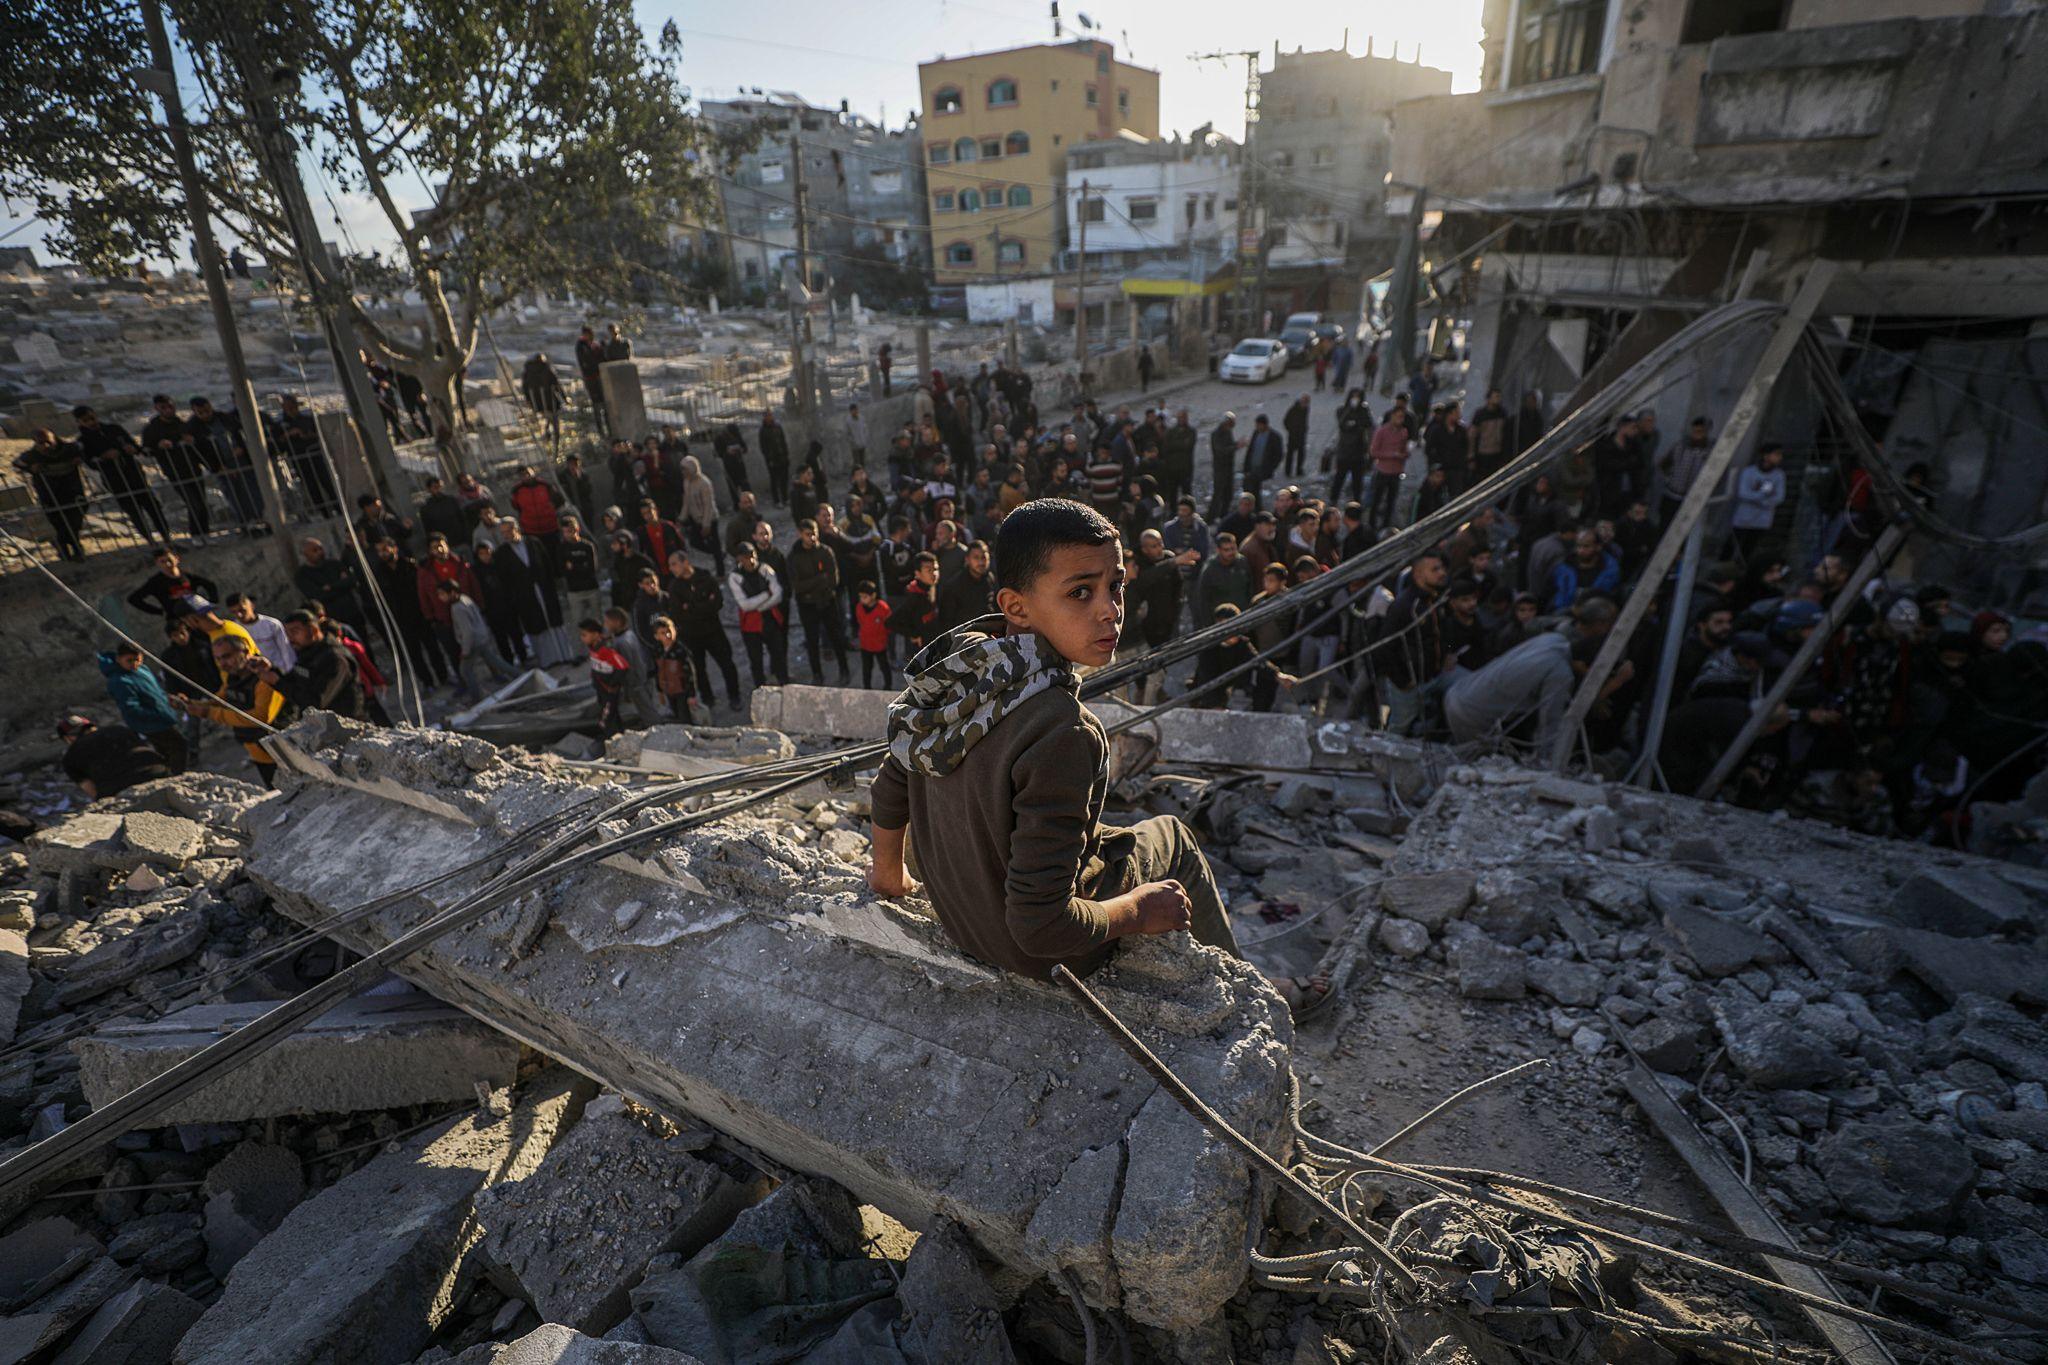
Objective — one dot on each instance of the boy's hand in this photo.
(891, 883)
(1162, 908)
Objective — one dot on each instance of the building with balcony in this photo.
(1627, 165)
(997, 128)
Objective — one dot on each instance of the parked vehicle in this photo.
(1254, 360)
(1300, 343)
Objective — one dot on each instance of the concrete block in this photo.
(1431, 899)
(27, 1336)
(1717, 945)
(14, 982)
(623, 400)
(554, 1344)
(573, 1237)
(163, 942)
(1962, 901)
(37, 1257)
(367, 1269)
(139, 1326)
(247, 1196)
(764, 992)
(77, 844)
(1955, 967)
(151, 839)
(372, 1052)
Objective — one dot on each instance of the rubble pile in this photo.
(1855, 1021)
(799, 1127)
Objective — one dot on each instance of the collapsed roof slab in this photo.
(743, 977)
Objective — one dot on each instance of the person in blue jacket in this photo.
(1590, 568)
(144, 707)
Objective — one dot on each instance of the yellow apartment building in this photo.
(996, 129)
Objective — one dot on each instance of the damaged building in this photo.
(1625, 167)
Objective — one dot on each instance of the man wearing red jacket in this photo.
(537, 505)
(442, 566)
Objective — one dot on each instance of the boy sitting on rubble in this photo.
(1002, 771)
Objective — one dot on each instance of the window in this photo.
(1123, 103)
(991, 148)
(1010, 253)
(1557, 38)
(942, 202)
(1020, 196)
(885, 182)
(1281, 110)
(1278, 236)
(991, 198)
(970, 201)
(1707, 20)
(1209, 209)
(1017, 144)
(1191, 208)
(946, 100)
(1092, 210)
(1002, 92)
(1102, 62)
(966, 149)
(941, 153)
(772, 172)
(1093, 99)
(959, 253)
(1142, 210)
(1323, 156)
(1230, 203)
(753, 269)
(1284, 160)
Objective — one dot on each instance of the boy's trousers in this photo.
(1160, 849)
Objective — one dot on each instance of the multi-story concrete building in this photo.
(997, 126)
(864, 185)
(1627, 165)
(1320, 151)
(1149, 198)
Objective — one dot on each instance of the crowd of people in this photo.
(657, 564)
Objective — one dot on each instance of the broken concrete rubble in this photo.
(139, 1326)
(761, 975)
(373, 1052)
(572, 1237)
(555, 1344)
(368, 1268)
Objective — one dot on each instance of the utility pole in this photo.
(1081, 298)
(800, 328)
(1402, 297)
(163, 79)
(1251, 293)
(280, 163)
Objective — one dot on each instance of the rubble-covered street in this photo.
(710, 1099)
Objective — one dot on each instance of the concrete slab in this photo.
(139, 1326)
(763, 991)
(572, 1238)
(554, 1344)
(367, 1269)
(76, 844)
(372, 1052)
(164, 942)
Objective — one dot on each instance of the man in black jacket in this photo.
(397, 575)
(813, 583)
(441, 513)
(731, 449)
(1152, 603)
(56, 474)
(323, 677)
(183, 463)
(590, 364)
(528, 576)
(1412, 661)
(775, 454)
(331, 579)
(111, 452)
(1223, 448)
(1354, 429)
(1295, 422)
(1262, 454)
(694, 602)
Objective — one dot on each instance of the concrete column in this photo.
(623, 399)
(1483, 341)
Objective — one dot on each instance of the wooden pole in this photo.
(1749, 407)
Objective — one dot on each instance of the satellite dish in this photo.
(1083, 20)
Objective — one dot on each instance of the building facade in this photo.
(1628, 165)
(864, 186)
(1321, 151)
(1147, 198)
(997, 126)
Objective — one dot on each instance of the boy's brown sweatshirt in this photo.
(1002, 841)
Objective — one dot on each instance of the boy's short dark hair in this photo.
(1225, 610)
(1028, 536)
(615, 614)
(658, 622)
(127, 649)
(590, 623)
(922, 558)
(866, 585)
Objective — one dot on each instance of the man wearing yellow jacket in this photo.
(249, 706)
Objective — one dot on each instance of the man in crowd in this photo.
(107, 761)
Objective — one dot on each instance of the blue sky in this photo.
(867, 54)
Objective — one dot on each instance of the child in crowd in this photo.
(871, 616)
(608, 670)
(672, 672)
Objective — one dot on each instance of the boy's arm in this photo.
(889, 805)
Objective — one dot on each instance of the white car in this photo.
(1254, 361)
